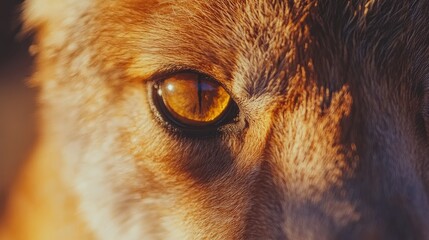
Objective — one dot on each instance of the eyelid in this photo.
(170, 70)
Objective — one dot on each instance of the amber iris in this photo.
(192, 99)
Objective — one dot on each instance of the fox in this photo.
(227, 119)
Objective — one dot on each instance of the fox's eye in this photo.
(193, 101)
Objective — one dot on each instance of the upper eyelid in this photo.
(171, 70)
(168, 71)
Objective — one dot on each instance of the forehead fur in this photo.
(332, 42)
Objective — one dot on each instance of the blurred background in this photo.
(17, 99)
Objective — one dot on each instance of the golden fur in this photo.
(331, 141)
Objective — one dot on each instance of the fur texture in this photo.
(330, 143)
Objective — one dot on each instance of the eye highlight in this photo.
(193, 101)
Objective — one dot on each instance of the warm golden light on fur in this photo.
(329, 141)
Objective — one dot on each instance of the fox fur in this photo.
(331, 141)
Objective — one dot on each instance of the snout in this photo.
(339, 174)
(390, 220)
(336, 213)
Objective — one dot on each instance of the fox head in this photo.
(327, 138)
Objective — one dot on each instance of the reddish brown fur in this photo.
(331, 141)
